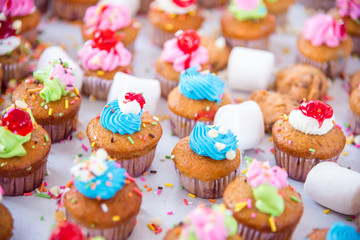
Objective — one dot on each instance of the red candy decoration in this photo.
(18, 122)
(316, 109)
(105, 39)
(188, 42)
(67, 231)
(339, 28)
(131, 96)
(184, 3)
(210, 115)
(6, 29)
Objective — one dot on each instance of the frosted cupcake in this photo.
(324, 44)
(101, 58)
(354, 115)
(247, 23)
(115, 17)
(207, 160)
(279, 8)
(337, 230)
(179, 54)
(318, 4)
(6, 221)
(72, 10)
(170, 16)
(197, 98)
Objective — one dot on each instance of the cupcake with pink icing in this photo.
(204, 223)
(72, 10)
(349, 10)
(180, 53)
(101, 58)
(325, 44)
(115, 17)
(24, 14)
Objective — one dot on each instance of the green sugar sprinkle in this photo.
(181, 186)
(167, 156)
(73, 200)
(33, 146)
(207, 108)
(42, 104)
(295, 199)
(72, 95)
(42, 195)
(154, 123)
(248, 158)
(80, 155)
(41, 218)
(312, 150)
(44, 144)
(3, 164)
(46, 137)
(61, 114)
(349, 219)
(3, 112)
(130, 139)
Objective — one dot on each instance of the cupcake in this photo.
(144, 6)
(207, 160)
(6, 221)
(197, 98)
(179, 54)
(107, 201)
(101, 58)
(24, 147)
(42, 5)
(318, 4)
(355, 81)
(170, 16)
(301, 81)
(338, 230)
(247, 23)
(72, 10)
(218, 51)
(279, 8)
(53, 99)
(263, 203)
(204, 223)
(29, 17)
(354, 115)
(350, 12)
(129, 134)
(212, 3)
(309, 136)
(115, 17)
(324, 44)
(14, 53)
(273, 105)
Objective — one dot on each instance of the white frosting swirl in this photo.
(9, 44)
(170, 7)
(309, 125)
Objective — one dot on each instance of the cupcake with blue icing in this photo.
(127, 132)
(207, 160)
(337, 231)
(196, 99)
(103, 199)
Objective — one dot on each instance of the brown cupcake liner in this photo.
(144, 6)
(96, 86)
(31, 35)
(354, 122)
(252, 234)
(296, 167)
(332, 68)
(280, 19)
(160, 36)
(61, 131)
(212, 3)
(356, 42)
(166, 85)
(261, 43)
(207, 189)
(15, 70)
(120, 232)
(42, 5)
(19, 185)
(70, 11)
(318, 4)
(181, 126)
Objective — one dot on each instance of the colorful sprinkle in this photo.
(42, 195)
(168, 185)
(295, 199)
(84, 147)
(130, 139)
(326, 211)
(192, 195)
(272, 224)
(239, 206)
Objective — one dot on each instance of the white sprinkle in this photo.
(104, 207)
(223, 130)
(213, 133)
(220, 42)
(220, 146)
(230, 155)
(178, 33)
(46, 106)
(21, 104)
(55, 191)
(156, 118)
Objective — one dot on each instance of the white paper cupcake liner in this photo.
(252, 234)
(211, 3)
(70, 11)
(96, 86)
(261, 43)
(332, 68)
(296, 167)
(166, 85)
(144, 6)
(61, 131)
(160, 36)
(354, 122)
(206, 189)
(19, 185)
(31, 35)
(181, 126)
(356, 42)
(120, 232)
(15, 70)
(318, 4)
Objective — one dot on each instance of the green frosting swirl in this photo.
(11, 145)
(243, 14)
(268, 200)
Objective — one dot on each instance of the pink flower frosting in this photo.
(173, 54)
(260, 173)
(14, 8)
(107, 16)
(324, 29)
(349, 8)
(63, 73)
(247, 4)
(93, 58)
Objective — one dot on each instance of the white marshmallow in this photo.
(149, 87)
(132, 5)
(250, 69)
(334, 187)
(56, 52)
(245, 120)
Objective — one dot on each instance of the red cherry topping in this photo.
(67, 231)
(316, 109)
(18, 121)
(6, 29)
(339, 28)
(105, 39)
(188, 41)
(131, 96)
(184, 3)
(210, 115)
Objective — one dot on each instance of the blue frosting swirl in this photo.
(106, 185)
(341, 231)
(202, 144)
(197, 86)
(113, 119)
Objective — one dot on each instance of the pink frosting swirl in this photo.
(247, 4)
(349, 8)
(107, 16)
(173, 54)
(93, 58)
(14, 8)
(63, 73)
(259, 173)
(324, 29)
